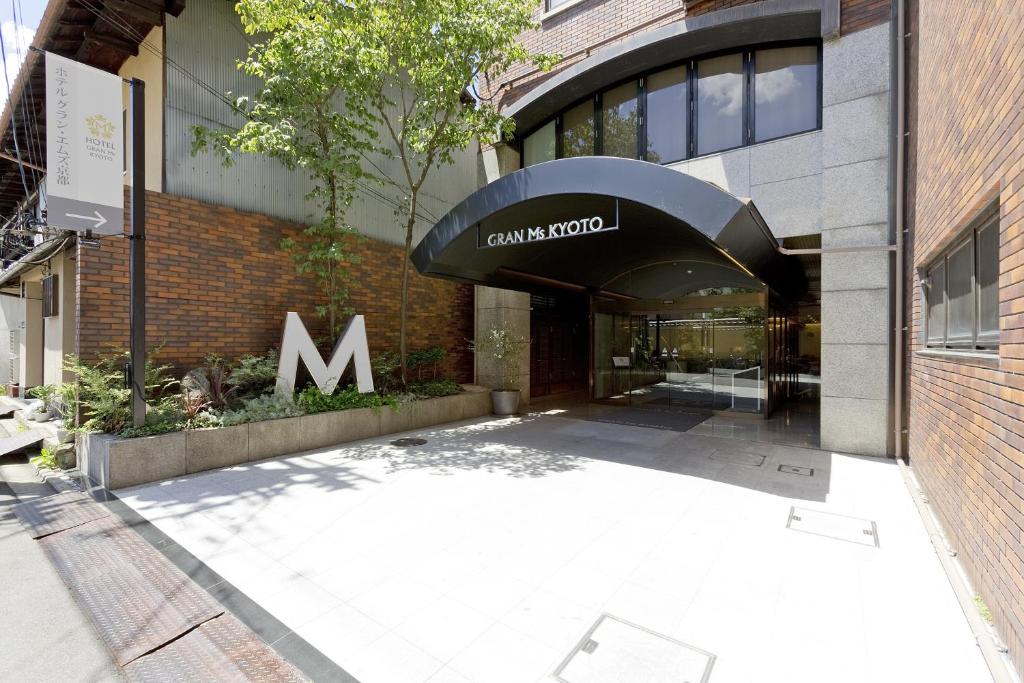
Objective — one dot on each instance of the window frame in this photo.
(690, 109)
(987, 343)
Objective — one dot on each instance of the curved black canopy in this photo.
(620, 227)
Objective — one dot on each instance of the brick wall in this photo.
(593, 24)
(217, 282)
(966, 418)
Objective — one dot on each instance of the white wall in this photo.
(11, 316)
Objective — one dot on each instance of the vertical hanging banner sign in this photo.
(84, 148)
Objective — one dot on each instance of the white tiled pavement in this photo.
(486, 555)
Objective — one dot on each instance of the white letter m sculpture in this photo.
(351, 346)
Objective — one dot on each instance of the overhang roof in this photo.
(100, 33)
(734, 27)
(662, 234)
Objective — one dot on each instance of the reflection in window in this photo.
(937, 304)
(963, 290)
(540, 145)
(785, 91)
(554, 4)
(988, 281)
(719, 103)
(959, 299)
(619, 121)
(666, 115)
(578, 131)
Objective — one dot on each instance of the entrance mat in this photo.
(617, 651)
(832, 525)
(738, 458)
(221, 649)
(674, 420)
(137, 600)
(48, 515)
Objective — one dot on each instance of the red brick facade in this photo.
(218, 282)
(967, 416)
(593, 24)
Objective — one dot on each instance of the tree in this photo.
(418, 61)
(299, 115)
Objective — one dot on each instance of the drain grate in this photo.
(407, 441)
(738, 458)
(616, 651)
(797, 469)
(832, 525)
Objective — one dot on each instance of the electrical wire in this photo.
(14, 125)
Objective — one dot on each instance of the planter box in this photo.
(114, 463)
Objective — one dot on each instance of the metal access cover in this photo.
(797, 469)
(738, 458)
(136, 599)
(832, 525)
(617, 651)
(408, 441)
(45, 516)
(221, 649)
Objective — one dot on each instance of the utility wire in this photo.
(14, 125)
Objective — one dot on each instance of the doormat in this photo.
(617, 651)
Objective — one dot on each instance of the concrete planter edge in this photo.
(114, 462)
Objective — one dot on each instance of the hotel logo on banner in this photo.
(84, 148)
(571, 227)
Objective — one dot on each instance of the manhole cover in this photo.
(408, 441)
(831, 525)
(616, 651)
(796, 469)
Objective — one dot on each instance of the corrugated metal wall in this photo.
(207, 41)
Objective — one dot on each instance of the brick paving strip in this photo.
(157, 623)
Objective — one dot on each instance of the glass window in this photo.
(554, 4)
(540, 145)
(960, 293)
(988, 281)
(719, 103)
(666, 115)
(578, 131)
(619, 124)
(785, 91)
(937, 304)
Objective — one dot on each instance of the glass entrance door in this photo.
(697, 358)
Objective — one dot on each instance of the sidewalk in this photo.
(43, 634)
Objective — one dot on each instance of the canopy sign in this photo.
(84, 148)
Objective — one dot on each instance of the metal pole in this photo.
(137, 253)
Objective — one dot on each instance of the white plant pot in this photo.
(504, 402)
(40, 416)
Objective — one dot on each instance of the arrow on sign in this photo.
(97, 218)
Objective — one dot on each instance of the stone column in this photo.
(856, 353)
(495, 307)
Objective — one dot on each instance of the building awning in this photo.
(607, 226)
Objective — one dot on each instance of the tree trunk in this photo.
(402, 347)
(332, 210)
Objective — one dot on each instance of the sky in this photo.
(18, 22)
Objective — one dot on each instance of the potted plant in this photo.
(67, 408)
(45, 393)
(504, 348)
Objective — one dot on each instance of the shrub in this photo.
(312, 400)
(264, 407)
(102, 395)
(385, 372)
(446, 386)
(210, 384)
(426, 358)
(47, 459)
(255, 375)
